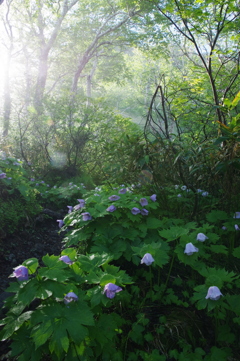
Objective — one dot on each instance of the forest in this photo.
(120, 180)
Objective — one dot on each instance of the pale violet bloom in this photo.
(81, 202)
(183, 188)
(97, 195)
(60, 223)
(65, 259)
(122, 191)
(3, 175)
(32, 179)
(201, 237)
(190, 249)
(236, 215)
(236, 227)
(54, 187)
(21, 273)
(77, 207)
(70, 209)
(176, 186)
(144, 212)
(111, 289)
(224, 228)
(147, 259)
(70, 297)
(153, 197)
(205, 194)
(86, 216)
(111, 208)
(114, 198)
(179, 195)
(143, 202)
(214, 293)
(199, 191)
(135, 211)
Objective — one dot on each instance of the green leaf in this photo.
(215, 216)
(219, 274)
(173, 233)
(55, 270)
(153, 223)
(31, 264)
(236, 252)
(42, 333)
(219, 249)
(28, 292)
(13, 324)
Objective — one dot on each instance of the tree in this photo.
(202, 30)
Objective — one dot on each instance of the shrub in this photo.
(178, 284)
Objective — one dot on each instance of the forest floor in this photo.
(15, 248)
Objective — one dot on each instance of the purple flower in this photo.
(111, 208)
(224, 228)
(236, 227)
(236, 215)
(32, 179)
(2, 175)
(37, 184)
(114, 198)
(86, 216)
(60, 223)
(190, 249)
(135, 211)
(82, 202)
(71, 296)
(147, 259)
(65, 259)
(78, 206)
(144, 212)
(42, 182)
(205, 194)
(153, 197)
(214, 293)
(179, 195)
(111, 289)
(70, 209)
(201, 237)
(122, 191)
(143, 202)
(184, 188)
(21, 273)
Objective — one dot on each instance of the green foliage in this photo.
(163, 304)
(18, 200)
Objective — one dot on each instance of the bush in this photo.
(143, 285)
(19, 203)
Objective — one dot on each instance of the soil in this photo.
(36, 241)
